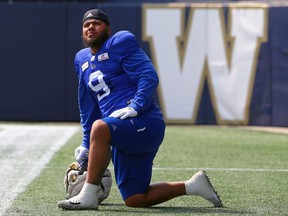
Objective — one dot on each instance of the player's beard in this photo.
(96, 42)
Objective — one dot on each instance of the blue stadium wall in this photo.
(38, 43)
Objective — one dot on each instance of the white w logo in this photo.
(185, 57)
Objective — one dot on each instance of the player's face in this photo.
(95, 33)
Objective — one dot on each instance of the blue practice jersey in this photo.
(119, 75)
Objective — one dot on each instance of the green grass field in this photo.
(248, 168)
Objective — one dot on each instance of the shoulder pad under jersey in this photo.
(125, 38)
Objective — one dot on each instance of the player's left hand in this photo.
(124, 113)
(81, 155)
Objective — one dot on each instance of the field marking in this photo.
(220, 169)
(24, 152)
(214, 169)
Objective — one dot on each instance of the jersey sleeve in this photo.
(88, 106)
(140, 70)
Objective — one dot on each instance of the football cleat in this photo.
(73, 204)
(200, 185)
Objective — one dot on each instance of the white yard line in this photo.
(24, 152)
(214, 169)
(219, 169)
(271, 129)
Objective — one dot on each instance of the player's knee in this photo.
(136, 201)
(100, 130)
(132, 204)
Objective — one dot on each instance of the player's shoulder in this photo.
(83, 53)
(121, 37)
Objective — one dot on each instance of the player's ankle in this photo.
(189, 187)
(90, 189)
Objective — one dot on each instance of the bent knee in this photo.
(136, 201)
(100, 130)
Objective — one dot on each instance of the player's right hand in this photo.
(124, 113)
(81, 154)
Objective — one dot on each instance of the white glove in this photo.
(81, 154)
(124, 113)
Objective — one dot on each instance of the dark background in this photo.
(39, 40)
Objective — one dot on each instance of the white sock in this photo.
(194, 183)
(87, 195)
(89, 188)
(189, 187)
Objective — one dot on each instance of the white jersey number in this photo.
(98, 85)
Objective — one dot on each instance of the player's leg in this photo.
(99, 152)
(99, 159)
(157, 193)
(199, 185)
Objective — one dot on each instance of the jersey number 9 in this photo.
(98, 85)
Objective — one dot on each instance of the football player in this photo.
(121, 121)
